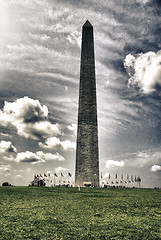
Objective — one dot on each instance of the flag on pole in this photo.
(132, 179)
(101, 175)
(138, 179)
(109, 176)
(116, 176)
(122, 176)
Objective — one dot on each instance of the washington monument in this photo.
(87, 157)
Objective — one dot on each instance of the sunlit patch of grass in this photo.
(65, 213)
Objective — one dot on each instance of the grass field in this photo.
(65, 213)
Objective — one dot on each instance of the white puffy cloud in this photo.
(28, 156)
(37, 130)
(50, 156)
(155, 168)
(58, 170)
(114, 163)
(54, 142)
(37, 157)
(5, 170)
(7, 147)
(26, 110)
(50, 143)
(73, 127)
(144, 70)
(68, 145)
(29, 118)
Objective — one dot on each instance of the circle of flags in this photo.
(123, 181)
(52, 180)
(61, 179)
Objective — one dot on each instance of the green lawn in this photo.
(65, 213)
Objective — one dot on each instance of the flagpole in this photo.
(122, 180)
(101, 179)
(116, 179)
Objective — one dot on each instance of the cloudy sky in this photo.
(39, 80)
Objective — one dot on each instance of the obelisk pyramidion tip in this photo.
(87, 24)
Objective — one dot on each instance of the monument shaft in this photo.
(87, 159)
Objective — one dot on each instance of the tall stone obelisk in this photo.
(87, 157)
